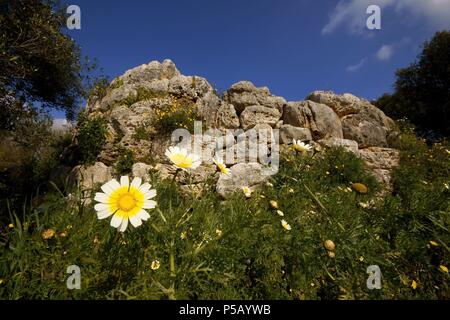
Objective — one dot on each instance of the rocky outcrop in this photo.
(92, 176)
(133, 102)
(244, 94)
(322, 121)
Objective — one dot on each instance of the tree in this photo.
(39, 63)
(422, 90)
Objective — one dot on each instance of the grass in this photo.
(237, 249)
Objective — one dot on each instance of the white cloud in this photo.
(356, 67)
(352, 13)
(60, 124)
(385, 52)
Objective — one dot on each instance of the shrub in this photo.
(124, 163)
(181, 114)
(91, 137)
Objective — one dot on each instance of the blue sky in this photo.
(292, 46)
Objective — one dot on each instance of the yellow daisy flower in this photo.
(125, 202)
(247, 191)
(48, 234)
(414, 284)
(299, 146)
(221, 166)
(286, 225)
(274, 204)
(155, 265)
(182, 159)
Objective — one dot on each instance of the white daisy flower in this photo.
(182, 159)
(247, 191)
(299, 146)
(286, 225)
(221, 166)
(125, 202)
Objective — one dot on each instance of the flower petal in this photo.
(149, 204)
(150, 194)
(101, 207)
(125, 181)
(101, 215)
(143, 215)
(136, 182)
(124, 225)
(135, 221)
(145, 187)
(116, 221)
(101, 197)
(114, 184)
(107, 189)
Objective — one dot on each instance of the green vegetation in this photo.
(238, 249)
(180, 114)
(38, 61)
(141, 132)
(91, 137)
(124, 163)
(422, 90)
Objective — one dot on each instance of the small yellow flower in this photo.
(280, 213)
(291, 190)
(11, 226)
(447, 186)
(364, 205)
(299, 146)
(434, 244)
(286, 225)
(48, 234)
(182, 159)
(247, 191)
(183, 235)
(221, 166)
(443, 268)
(414, 284)
(155, 265)
(219, 233)
(274, 204)
(361, 259)
(329, 245)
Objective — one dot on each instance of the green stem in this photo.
(172, 264)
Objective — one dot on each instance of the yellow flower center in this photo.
(181, 161)
(222, 168)
(299, 148)
(126, 202)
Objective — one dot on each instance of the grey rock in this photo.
(288, 133)
(89, 177)
(244, 94)
(254, 115)
(242, 174)
(319, 118)
(349, 145)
